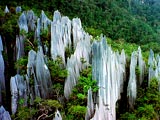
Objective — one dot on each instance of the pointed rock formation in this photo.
(18, 91)
(90, 106)
(22, 22)
(2, 67)
(6, 10)
(132, 84)
(18, 9)
(4, 115)
(57, 116)
(108, 68)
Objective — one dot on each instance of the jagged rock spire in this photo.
(108, 69)
(4, 115)
(2, 67)
(154, 68)
(132, 84)
(75, 64)
(22, 22)
(18, 91)
(90, 105)
(6, 10)
(18, 9)
(60, 36)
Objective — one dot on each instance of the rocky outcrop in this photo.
(108, 69)
(2, 67)
(108, 66)
(4, 115)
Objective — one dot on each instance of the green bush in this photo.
(77, 112)
(147, 105)
(21, 64)
(25, 113)
(58, 72)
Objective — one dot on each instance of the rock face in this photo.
(137, 69)
(141, 67)
(2, 67)
(4, 115)
(90, 105)
(43, 83)
(60, 36)
(57, 116)
(38, 73)
(108, 70)
(75, 64)
(18, 91)
(132, 84)
(22, 22)
(108, 67)
(154, 68)
(61, 31)
(18, 9)
(6, 10)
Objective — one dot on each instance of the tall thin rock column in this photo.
(31, 20)
(154, 68)
(132, 84)
(33, 91)
(2, 67)
(18, 91)
(22, 22)
(60, 36)
(6, 10)
(141, 66)
(77, 31)
(4, 115)
(44, 21)
(137, 70)
(90, 105)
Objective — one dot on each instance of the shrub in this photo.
(77, 112)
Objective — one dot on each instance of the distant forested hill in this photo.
(135, 21)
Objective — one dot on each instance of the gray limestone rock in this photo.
(108, 68)
(60, 36)
(22, 22)
(57, 116)
(132, 84)
(6, 10)
(90, 105)
(2, 68)
(18, 91)
(18, 9)
(4, 115)
(31, 20)
(43, 75)
(44, 21)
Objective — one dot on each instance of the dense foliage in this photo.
(118, 19)
(147, 104)
(129, 23)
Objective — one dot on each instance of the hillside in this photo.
(55, 67)
(132, 21)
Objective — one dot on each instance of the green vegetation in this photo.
(76, 112)
(58, 72)
(147, 104)
(41, 109)
(76, 105)
(21, 65)
(127, 25)
(116, 19)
